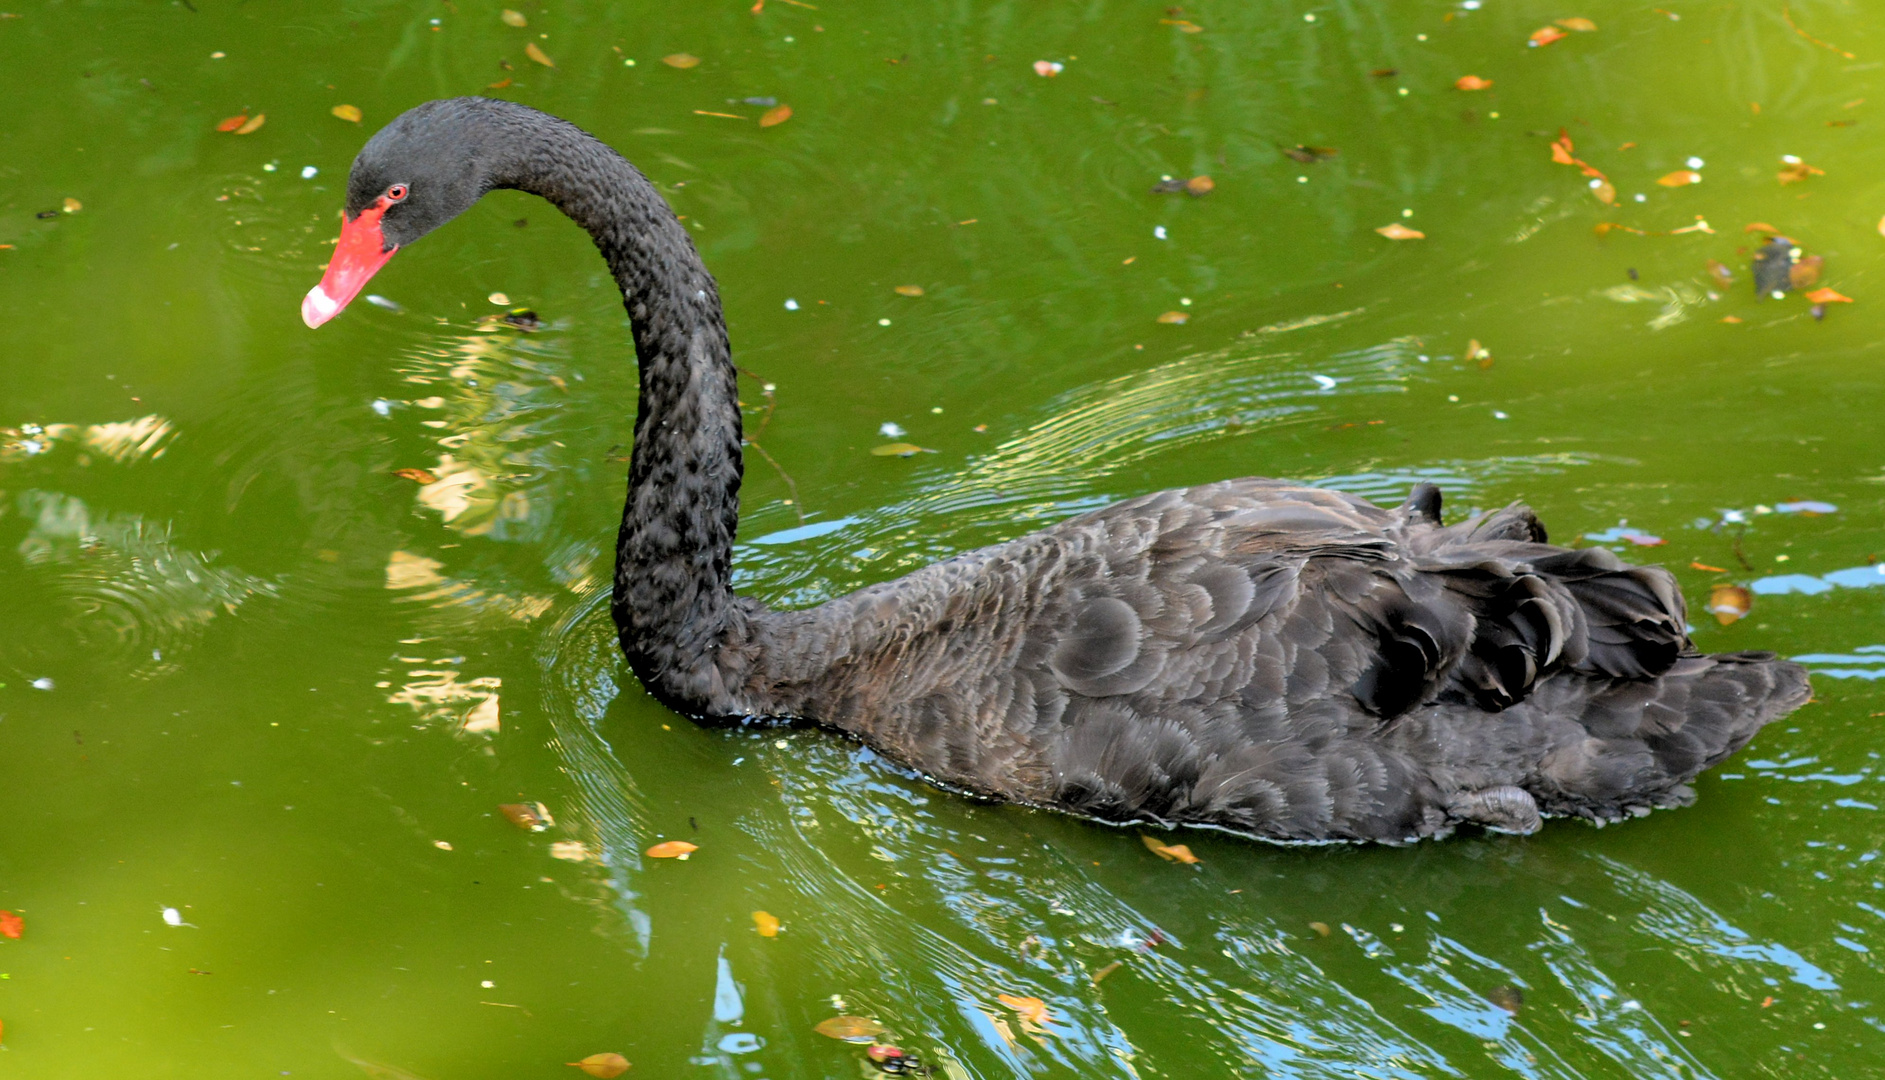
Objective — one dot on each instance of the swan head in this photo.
(417, 173)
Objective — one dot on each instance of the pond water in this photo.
(264, 696)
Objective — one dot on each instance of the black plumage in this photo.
(1285, 662)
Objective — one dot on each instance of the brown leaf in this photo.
(1471, 82)
(1806, 273)
(417, 476)
(909, 290)
(1185, 25)
(776, 116)
(231, 123)
(1031, 1009)
(11, 925)
(538, 55)
(1704, 566)
(1827, 296)
(253, 124)
(602, 1065)
(1797, 171)
(766, 923)
(1398, 231)
(1729, 603)
(533, 816)
(899, 449)
(1385, 73)
(1719, 273)
(513, 18)
(1584, 25)
(1169, 852)
(1545, 35)
(1605, 191)
(1174, 318)
(500, 84)
(1762, 226)
(681, 60)
(672, 849)
(1680, 178)
(1200, 185)
(349, 113)
(849, 1028)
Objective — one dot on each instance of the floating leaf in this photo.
(672, 849)
(231, 123)
(570, 851)
(908, 290)
(538, 55)
(1174, 318)
(1881, 226)
(1309, 155)
(681, 60)
(1184, 25)
(11, 925)
(1107, 970)
(1806, 273)
(533, 816)
(849, 1028)
(776, 116)
(1705, 566)
(500, 84)
(1169, 852)
(766, 923)
(1509, 998)
(1680, 178)
(1047, 69)
(1321, 928)
(1762, 226)
(1729, 603)
(1583, 25)
(71, 205)
(1477, 352)
(1828, 296)
(513, 18)
(603, 1065)
(417, 476)
(253, 124)
(1720, 274)
(1545, 35)
(1398, 231)
(899, 449)
(1030, 1009)
(1605, 191)
(1471, 82)
(1797, 171)
(349, 113)
(1200, 185)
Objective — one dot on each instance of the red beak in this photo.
(359, 255)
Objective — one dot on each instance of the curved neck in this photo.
(673, 602)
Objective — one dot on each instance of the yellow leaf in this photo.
(672, 849)
(1170, 852)
(1881, 226)
(775, 117)
(1584, 25)
(1200, 185)
(681, 60)
(1321, 928)
(1545, 35)
(1827, 296)
(1174, 318)
(1471, 82)
(1605, 191)
(767, 923)
(602, 1065)
(909, 290)
(1031, 1009)
(71, 205)
(531, 50)
(1680, 178)
(899, 449)
(849, 1028)
(1398, 231)
(349, 113)
(254, 122)
(1729, 603)
(513, 18)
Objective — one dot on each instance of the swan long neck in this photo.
(673, 601)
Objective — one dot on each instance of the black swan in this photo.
(1283, 662)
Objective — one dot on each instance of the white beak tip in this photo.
(317, 307)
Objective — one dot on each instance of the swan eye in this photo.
(396, 192)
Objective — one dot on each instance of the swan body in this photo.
(1284, 662)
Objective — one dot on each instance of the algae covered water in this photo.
(316, 755)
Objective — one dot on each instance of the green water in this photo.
(260, 650)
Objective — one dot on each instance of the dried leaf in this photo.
(1398, 231)
(1477, 352)
(1321, 928)
(1170, 852)
(908, 290)
(672, 849)
(766, 923)
(533, 816)
(11, 925)
(231, 123)
(681, 60)
(1719, 273)
(1174, 318)
(538, 55)
(849, 1028)
(1200, 185)
(417, 476)
(1584, 25)
(1185, 25)
(71, 205)
(1729, 603)
(775, 117)
(1309, 155)
(1806, 273)
(253, 124)
(1545, 35)
(513, 18)
(1509, 998)
(899, 449)
(1828, 296)
(1797, 171)
(570, 851)
(1705, 566)
(602, 1065)
(500, 84)
(1471, 82)
(1605, 191)
(1762, 226)
(349, 113)
(1680, 178)
(1107, 970)
(1030, 1009)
